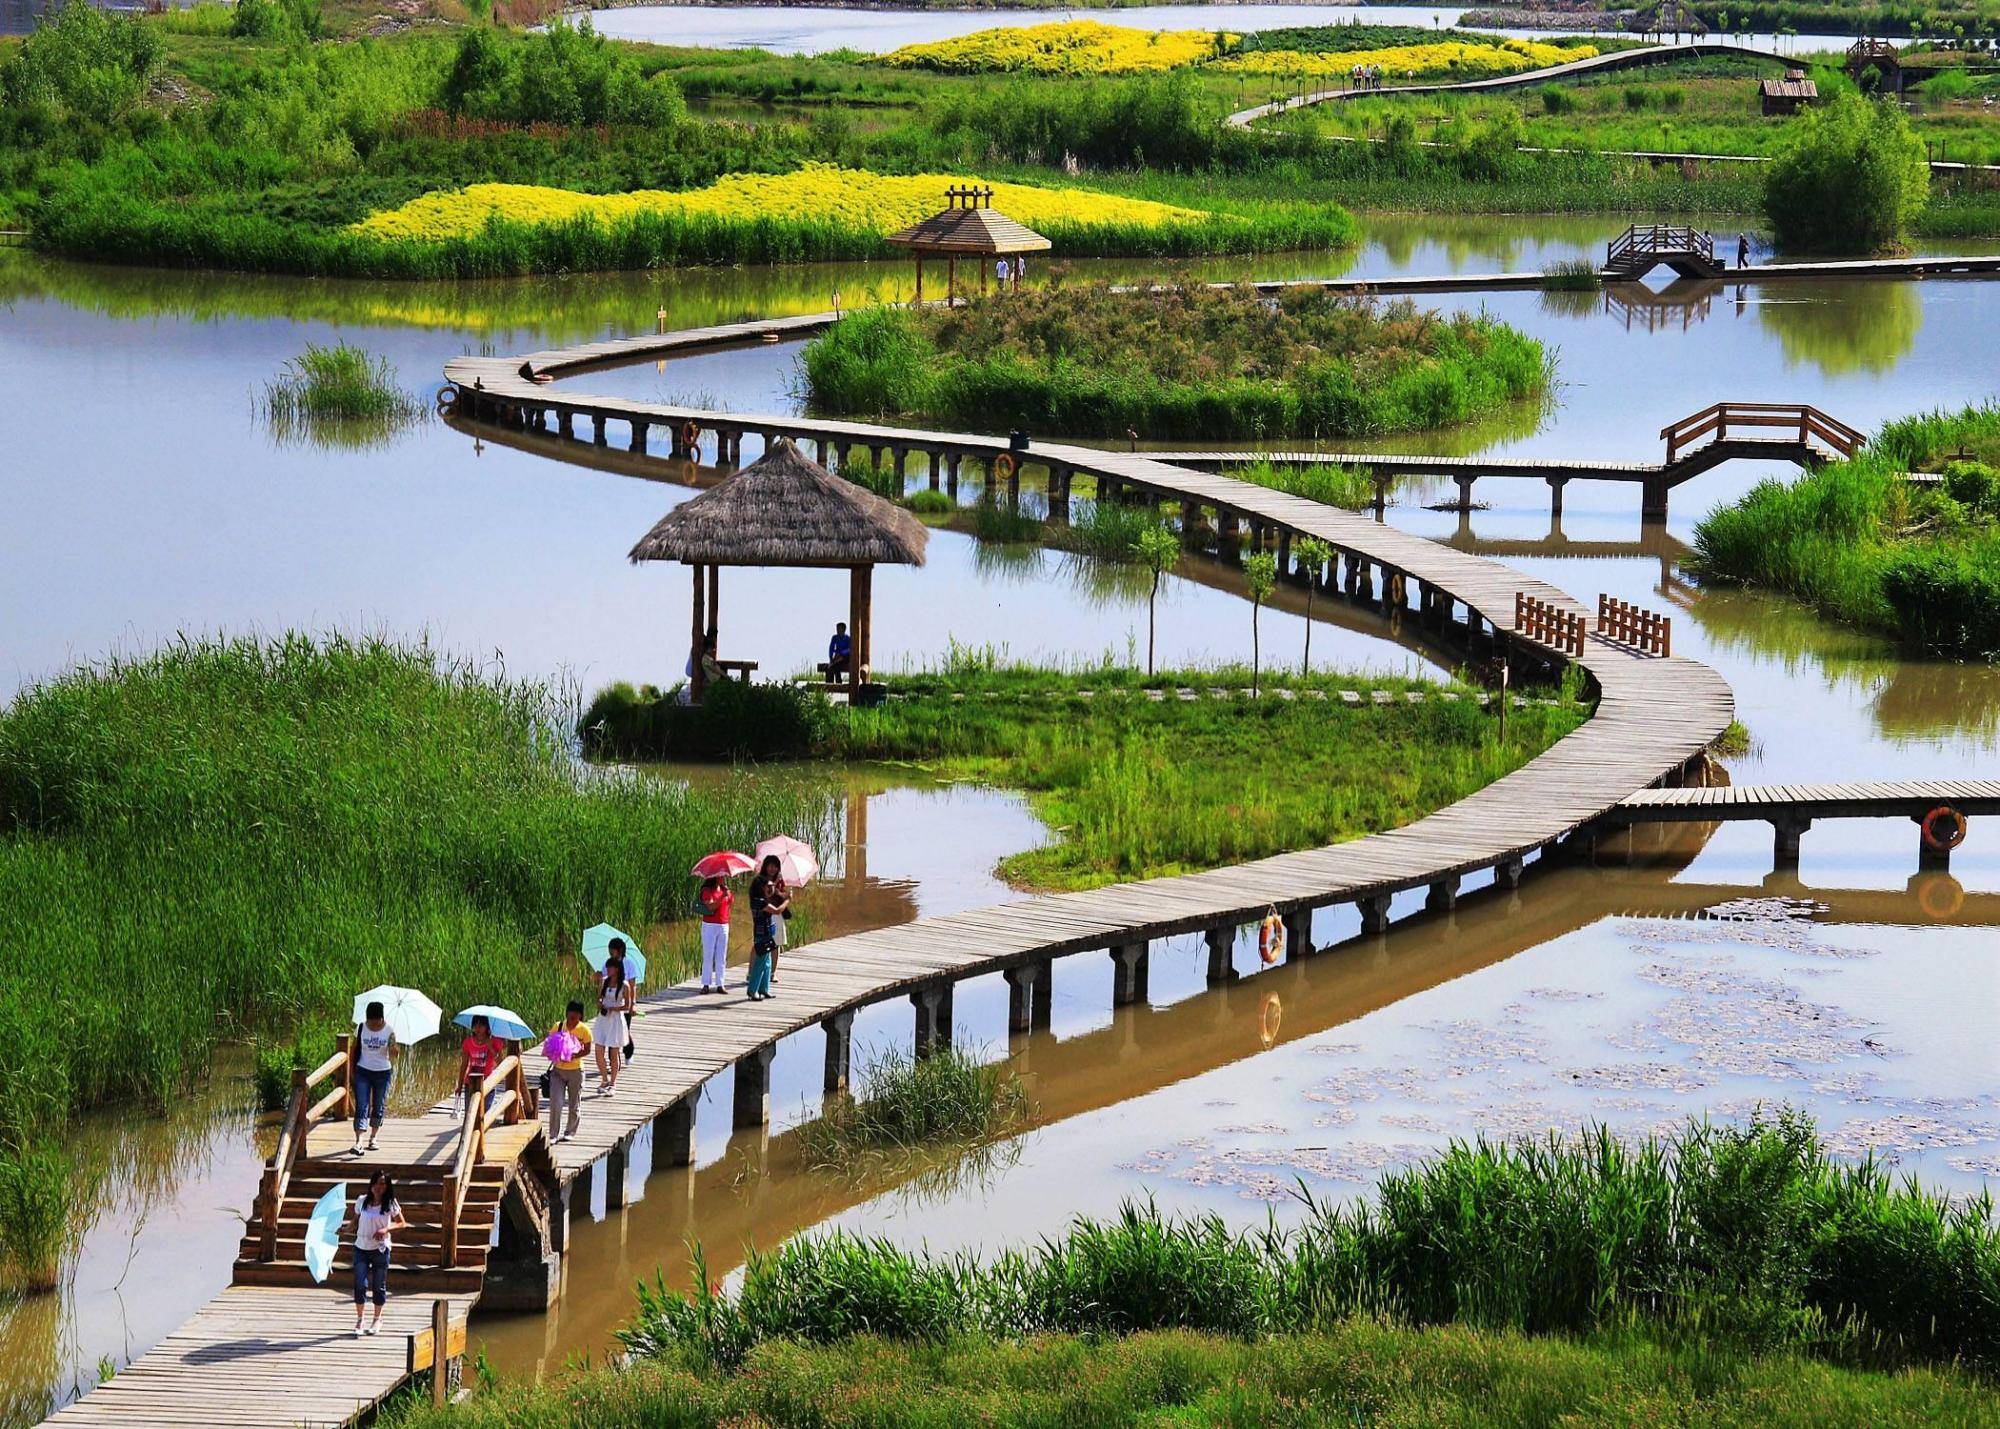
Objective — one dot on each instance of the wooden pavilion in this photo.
(968, 227)
(784, 509)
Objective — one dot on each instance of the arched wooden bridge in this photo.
(493, 1198)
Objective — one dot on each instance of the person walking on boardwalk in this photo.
(377, 1218)
(564, 1047)
(374, 1066)
(715, 900)
(1743, 250)
(478, 1055)
(607, 1035)
(767, 888)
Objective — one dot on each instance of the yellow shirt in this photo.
(582, 1034)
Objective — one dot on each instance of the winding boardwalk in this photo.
(283, 1355)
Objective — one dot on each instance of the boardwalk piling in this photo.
(617, 1174)
(1785, 836)
(1129, 965)
(1374, 913)
(753, 1088)
(1029, 995)
(933, 1007)
(1299, 933)
(839, 1050)
(1221, 953)
(1443, 895)
(673, 1134)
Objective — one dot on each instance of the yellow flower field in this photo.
(1453, 57)
(850, 198)
(1072, 47)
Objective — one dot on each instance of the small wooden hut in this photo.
(784, 509)
(1784, 96)
(968, 227)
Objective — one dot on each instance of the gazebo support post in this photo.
(715, 603)
(951, 281)
(696, 681)
(920, 279)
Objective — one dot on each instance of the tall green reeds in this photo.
(909, 1105)
(1750, 1236)
(229, 838)
(339, 394)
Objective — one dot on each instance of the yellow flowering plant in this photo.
(1072, 47)
(1446, 57)
(816, 193)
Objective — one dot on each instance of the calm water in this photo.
(144, 496)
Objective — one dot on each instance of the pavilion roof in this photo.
(785, 509)
(971, 227)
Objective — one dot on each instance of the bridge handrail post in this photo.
(471, 1132)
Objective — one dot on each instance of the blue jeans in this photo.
(371, 1096)
(371, 1266)
(760, 970)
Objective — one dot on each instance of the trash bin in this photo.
(1017, 440)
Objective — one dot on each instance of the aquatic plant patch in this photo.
(1181, 362)
(1073, 47)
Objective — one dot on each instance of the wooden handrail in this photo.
(471, 1133)
(1548, 623)
(1808, 421)
(299, 1121)
(1659, 238)
(1645, 631)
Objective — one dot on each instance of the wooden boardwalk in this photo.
(1792, 809)
(283, 1354)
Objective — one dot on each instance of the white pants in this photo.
(714, 954)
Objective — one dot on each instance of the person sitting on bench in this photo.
(839, 655)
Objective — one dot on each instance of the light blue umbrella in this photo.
(505, 1024)
(597, 950)
(323, 1230)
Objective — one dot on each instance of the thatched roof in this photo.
(784, 509)
(972, 228)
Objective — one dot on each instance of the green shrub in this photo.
(1556, 100)
(1637, 99)
(1850, 176)
(278, 20)
(736, 720)
(926, 502)
(80, 63)
(1975, 485)
(562, 74)
(1673, 97)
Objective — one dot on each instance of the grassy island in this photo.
(1724, 1276)
(1862, 542)
(1184, 362)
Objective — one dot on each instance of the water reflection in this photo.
(1862, 326)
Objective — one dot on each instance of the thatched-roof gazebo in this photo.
(968, 227)
(784, 509)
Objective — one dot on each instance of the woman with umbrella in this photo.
(797, 865)
(614, 1004)
(386, 1019)
(716, 899)
(377, 1218)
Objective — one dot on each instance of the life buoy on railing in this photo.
(1941, 897)
(1944, 828)
(690, 435)
(1271, 938)
(1004, 466)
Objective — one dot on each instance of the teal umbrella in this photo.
(597, 949)
(505, 1024)
(323, 1230)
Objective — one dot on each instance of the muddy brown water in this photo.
(145, 497)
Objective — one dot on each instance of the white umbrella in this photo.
(798, 865)
(410, 1015)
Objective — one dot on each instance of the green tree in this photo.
(1158, 549)
(1850, 177)
(1313, 555)
(81, 65)
(1260, 573)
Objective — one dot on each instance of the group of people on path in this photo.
(1364, 77)
(770, 908)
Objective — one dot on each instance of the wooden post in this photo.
(518, 1080)
(440, 1352)
(697, 682)
(715, 602)
(863, 626)
(951, 280)
(345, 1043)
(920, 279)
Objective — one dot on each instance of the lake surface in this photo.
(146, 496)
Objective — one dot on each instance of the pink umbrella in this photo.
(726, 863)
(798, 865)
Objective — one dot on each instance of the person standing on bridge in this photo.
(566, 1073)
(374, 1067)
(715, 899)
(1743, 250)
(614, 1005)
(377, 1218)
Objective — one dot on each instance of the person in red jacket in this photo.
(715, 902)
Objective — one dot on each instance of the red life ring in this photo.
(1269, 1020)
(1941, 898)
(690, 434)
(1004, 466)
(1271, 939)
(1944, 828)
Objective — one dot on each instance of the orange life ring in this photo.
(690, 434)
(1271, 938)
(1944, 828)
(1268, 1021)
(1941, 909)
(1004, 465)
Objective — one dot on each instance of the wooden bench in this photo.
(741, 669)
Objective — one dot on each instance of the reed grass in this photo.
(1141, 787)
(1349, 487)
(229, 838)
(1185, 362)
(339, 394)
(909, 1106)
(1742, 1238)
(1362, 1371)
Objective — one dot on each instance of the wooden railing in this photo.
(1809, 423)
(1867, 51)
(1644, 239)
(1634, 626)
(509, 1079)
(300, 1119)
(1548, 623)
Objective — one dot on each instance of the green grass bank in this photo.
(1860, 543)
(1187, 362)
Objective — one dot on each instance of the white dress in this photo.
(608, 1031)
